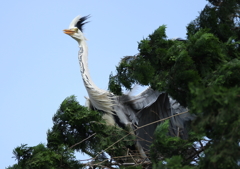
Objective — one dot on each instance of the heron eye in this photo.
(75, 29)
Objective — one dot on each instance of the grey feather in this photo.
(151, 106)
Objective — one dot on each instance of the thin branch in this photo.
(132, 158)
(82, 140)
(161, 120)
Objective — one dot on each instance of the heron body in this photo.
(126, 110)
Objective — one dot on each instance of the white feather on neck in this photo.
(100, 99)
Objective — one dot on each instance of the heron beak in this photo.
(68, 32)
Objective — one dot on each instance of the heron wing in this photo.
(151, 106)
(157, 106)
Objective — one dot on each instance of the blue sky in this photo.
(39, 65)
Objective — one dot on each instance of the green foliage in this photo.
(221, 17)
(211, 57)
(74, 123)
(130, 69)
(171, 66)
(40, 157)
(22, 152)
(131, 167)
(227, 75)
(114, 86)
(171, 163)
(164, 147)
(219, 117)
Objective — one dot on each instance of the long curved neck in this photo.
(83, 61)
(100, 99)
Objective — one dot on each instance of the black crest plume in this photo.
(82, 21)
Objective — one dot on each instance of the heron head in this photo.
(75, 29)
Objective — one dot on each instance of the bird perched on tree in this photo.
(125, 110)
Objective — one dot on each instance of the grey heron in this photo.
(125, 110)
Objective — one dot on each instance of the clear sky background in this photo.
(39, 64)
